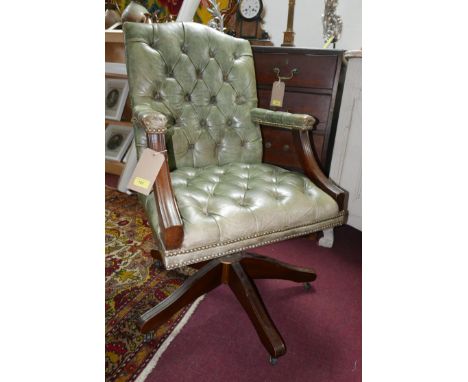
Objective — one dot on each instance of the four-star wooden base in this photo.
(238, 271)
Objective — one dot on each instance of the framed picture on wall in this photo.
(116, 97)
(118, 139)
(127, 153)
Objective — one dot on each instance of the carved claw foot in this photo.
(327, 239)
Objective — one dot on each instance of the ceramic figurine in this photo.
(112, 13)
(134, 12)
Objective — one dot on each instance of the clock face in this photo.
(250, 9)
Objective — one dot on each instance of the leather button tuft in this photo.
(191, 146)
(242, 143)
(240, 100)
(187, 97)
(235, 56)
(213, 99)
(183, 49)
(229, 121)
(225, 78)
(203, 123)
(157, 96)
(199, 74)
(211, 53)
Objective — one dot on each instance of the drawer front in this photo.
(316, 105)
(279, 149)
(314, 71)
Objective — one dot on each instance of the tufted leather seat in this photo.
(242, 204)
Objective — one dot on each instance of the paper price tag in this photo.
(277, 94)
(146, 171)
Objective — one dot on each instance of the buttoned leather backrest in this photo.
(204, 82)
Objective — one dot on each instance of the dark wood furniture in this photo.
(170, 222)
(251, 30)
(314, 89)
(238, 271)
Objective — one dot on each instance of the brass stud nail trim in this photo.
(337, 221)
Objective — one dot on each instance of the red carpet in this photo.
(321, 328)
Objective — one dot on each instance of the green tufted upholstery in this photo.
(239, 206)
(203, 81)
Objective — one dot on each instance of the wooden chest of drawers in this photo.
(314, 89)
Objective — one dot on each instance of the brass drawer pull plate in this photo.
(284, 78)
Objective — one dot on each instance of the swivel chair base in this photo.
(238, 271)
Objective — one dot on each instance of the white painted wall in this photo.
(308, 22)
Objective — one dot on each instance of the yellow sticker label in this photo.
(140, 182)
(275, 102)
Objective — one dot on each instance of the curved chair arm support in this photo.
(282, 119)
(300, 124)
(313, 170)
(170, 221)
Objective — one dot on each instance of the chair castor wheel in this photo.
(158, 264)
(273, 360)
(147, 337)
(307, 286)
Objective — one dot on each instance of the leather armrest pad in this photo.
(282, 119)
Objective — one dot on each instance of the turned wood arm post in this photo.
(299, 125)
(170, 221)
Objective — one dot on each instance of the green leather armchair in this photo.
(194, 99)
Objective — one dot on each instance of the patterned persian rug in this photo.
(133, 285)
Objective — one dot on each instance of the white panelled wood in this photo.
(346, 165)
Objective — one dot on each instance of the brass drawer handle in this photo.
(280, 78)
(268, 145)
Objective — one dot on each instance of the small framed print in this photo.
(118, 139)
(116, 97)
(127, 153)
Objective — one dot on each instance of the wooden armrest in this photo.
(299, 125)
(170, 221)
(312, 169)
